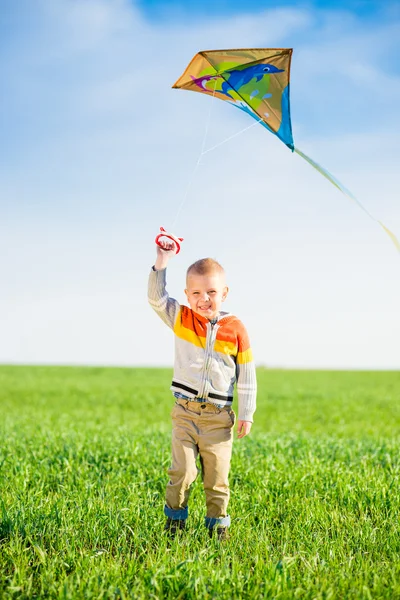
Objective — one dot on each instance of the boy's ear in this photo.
(225, 293)
(186, 292)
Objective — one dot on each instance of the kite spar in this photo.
(256, 81)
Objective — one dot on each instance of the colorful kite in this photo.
(257, 81)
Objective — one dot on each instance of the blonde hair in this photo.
(205, 266)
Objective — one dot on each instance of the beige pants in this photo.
(206, 430)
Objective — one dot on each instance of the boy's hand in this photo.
(243, 428)
(165, 251)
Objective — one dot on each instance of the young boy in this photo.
(212, 352)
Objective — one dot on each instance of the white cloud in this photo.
(99, 152)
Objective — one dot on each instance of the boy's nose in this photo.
(205, 297)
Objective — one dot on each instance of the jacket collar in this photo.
(219, 318)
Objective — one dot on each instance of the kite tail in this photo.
(347, 193)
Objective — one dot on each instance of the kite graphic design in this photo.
(256, 81)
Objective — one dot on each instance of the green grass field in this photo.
(315, 489)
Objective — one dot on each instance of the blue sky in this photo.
(97, 151)
(188, 8)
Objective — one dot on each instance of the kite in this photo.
(257, 81)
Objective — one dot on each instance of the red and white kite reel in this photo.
(164, 234)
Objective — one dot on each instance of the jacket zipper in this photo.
(211, 336)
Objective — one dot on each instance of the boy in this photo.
(212, 352)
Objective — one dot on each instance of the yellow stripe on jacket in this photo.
(244, 357)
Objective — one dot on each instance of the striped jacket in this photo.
(209, 359)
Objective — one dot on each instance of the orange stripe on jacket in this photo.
(190, 329)
(245, 354)
(232, 340)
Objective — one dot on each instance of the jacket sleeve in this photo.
(245, 377)
(167, 308)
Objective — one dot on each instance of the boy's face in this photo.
(205, 293)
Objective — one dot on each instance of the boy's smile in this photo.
(205, 293)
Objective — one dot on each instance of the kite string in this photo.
(203, 152)
(189, 185)
(231, 137)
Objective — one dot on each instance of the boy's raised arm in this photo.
(165, 251)
(167, 308)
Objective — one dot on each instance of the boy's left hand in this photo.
(243, 428)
